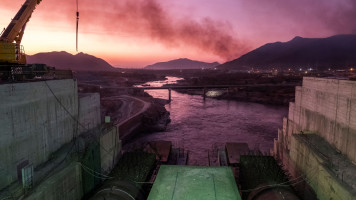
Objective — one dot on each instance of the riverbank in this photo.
(131, 110)
(136, 114)
(156, 117)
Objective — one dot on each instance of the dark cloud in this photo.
(143, 18)
(342, 17)
(336, 16)
(149, 18)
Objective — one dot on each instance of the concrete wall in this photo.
(314, 167)
(34, 123)
(37, 119)
(110, 144)
(327, 107)
(89, 111)
(66, 184)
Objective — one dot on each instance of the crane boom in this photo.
(10, 39)
(12, 56)
(15, 30)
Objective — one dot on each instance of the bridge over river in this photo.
(203, 87)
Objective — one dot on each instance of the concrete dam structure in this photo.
(51, 137)
(54, 145)
(318, 141)
(33, 125)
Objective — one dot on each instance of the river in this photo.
(200, 126)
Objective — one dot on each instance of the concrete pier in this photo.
(204, 93)
(169, 95)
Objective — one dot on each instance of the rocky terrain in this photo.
(129, 108)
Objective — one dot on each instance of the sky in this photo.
(135, 33)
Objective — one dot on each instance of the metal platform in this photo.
(194, 183)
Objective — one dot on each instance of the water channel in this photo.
(201, 126)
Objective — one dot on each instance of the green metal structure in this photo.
(175, 182)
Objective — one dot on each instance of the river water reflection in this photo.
(199, 126)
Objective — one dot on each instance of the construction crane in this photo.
(11, 50)
(12, 55)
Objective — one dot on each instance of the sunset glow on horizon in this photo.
(135, 33)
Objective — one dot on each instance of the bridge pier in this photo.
(169, 95)
(204, 91)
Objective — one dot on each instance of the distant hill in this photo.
(337, 52)
(64, 60)
(182, 63)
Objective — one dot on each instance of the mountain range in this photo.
(182, 63)
(337, 52)
(319, 53)
(64, 60)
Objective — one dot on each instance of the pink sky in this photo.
(134, 33)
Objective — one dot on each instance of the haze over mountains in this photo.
(336, 52)
(182, 63)
(64, 60)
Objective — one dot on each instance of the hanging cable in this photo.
(77, 27)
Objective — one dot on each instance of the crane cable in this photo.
(77, 27)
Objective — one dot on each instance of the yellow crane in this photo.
(11, 50)
(12, 54)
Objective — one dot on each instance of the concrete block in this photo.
(291, 111)
(110, 144)
(89, 111)
(298, 95)
(285, 125)
(324, 182)
(321, 84)
(327, 107)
